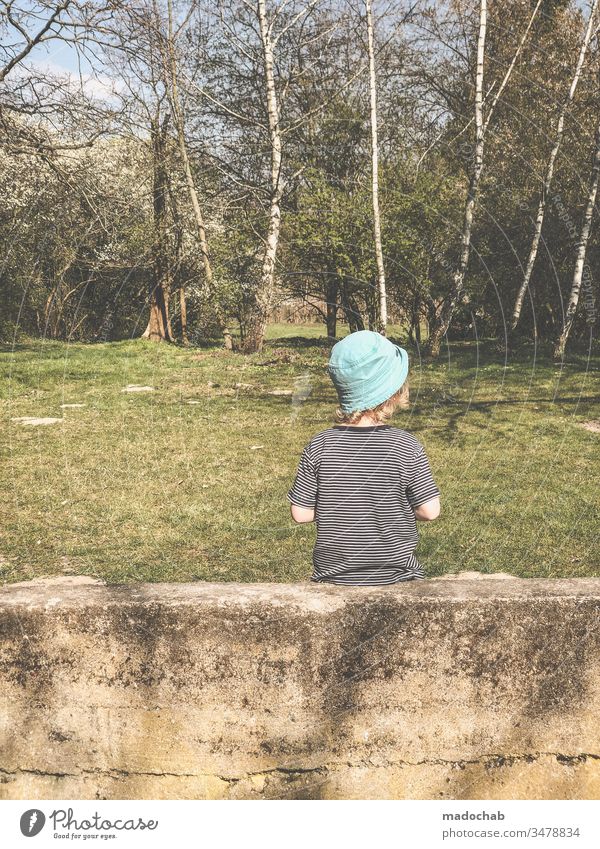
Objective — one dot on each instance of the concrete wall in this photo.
(464, 688)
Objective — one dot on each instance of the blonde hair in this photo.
(381, 413)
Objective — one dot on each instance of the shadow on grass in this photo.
(449, 430)
(301, 342)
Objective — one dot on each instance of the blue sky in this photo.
(58, 53)
(59, 57)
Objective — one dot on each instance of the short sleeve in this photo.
(304, 489)
(422, 487)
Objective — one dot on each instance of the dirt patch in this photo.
(136, 387)
(594, 425)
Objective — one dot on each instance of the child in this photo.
(364, 481)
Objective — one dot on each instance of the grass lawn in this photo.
(150, 486)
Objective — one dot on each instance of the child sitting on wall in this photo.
(364, 481)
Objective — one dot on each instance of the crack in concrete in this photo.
(108, 771)
(497, 759)
(493, 761)
(282, 770)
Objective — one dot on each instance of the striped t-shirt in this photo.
(364, 483)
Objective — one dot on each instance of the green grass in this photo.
(150, 487)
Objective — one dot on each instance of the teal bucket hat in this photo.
(366, 369)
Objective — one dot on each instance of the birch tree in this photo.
(382, 317)
(272, 27)
(254, 66)
(442, 322)
(549, 174)
(260, 300)
(581, 270)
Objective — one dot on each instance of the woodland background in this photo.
(204, 168)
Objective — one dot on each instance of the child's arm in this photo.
(422, 492)
(429, 511)
(300, 515)
(303, 494)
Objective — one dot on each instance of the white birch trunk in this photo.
(382, 318)
(262, 299)
(451, 300)
(547, 185)
(580, 266)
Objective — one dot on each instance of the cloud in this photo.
(93, 84)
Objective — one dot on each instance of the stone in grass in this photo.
(281, 392)
(594, 425)
(137, 387)
(32, 420)
(71, 406)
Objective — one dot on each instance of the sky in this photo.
(59, 58)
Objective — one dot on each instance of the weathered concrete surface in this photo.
(464, 688)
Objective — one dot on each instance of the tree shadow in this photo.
(301, 343)
(449, 429)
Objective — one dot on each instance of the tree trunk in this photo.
(259, 301)
(373, 311)
(183, 316)
(351, 310)
(254, 320)
(443, 319)
(177, 272)
(541, 211)
(381, 289)
(158, 329)
(159, 325)
(440, 320)
(580, 266)
(332, 308)
(414, 332)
